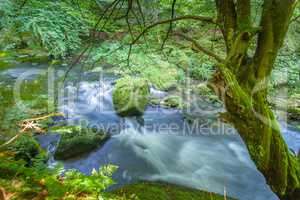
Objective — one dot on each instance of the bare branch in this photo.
(201, 48)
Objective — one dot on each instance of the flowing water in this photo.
(161, 145)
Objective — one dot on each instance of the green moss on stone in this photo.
(4, 65)
(76, 140)
(161, 78)
(164, 191)
(130, 96)
(294, 113)
(173, 102)
(33, 58)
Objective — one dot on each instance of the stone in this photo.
(75, 141)
(130, 96)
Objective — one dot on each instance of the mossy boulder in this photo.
(77, 140)
(33, 58)
(130, 96)
(294, 113)
(3, 54)
(25, 148)
(6, 59)
(5, 64)
(162, 78)
(172, 101)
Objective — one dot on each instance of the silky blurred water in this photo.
(160, 145)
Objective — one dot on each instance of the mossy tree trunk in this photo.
(241, 82)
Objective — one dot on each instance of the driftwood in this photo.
(29, 125)
(4, 196)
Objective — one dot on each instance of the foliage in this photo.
(57, 26)
(94, 184)
(286, 73)
(32, 96)
(39, 180)
(25, 148)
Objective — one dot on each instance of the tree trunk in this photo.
(255, 122)
(241, 83)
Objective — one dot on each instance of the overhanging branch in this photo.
(201, 48)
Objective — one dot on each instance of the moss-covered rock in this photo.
(3, 54)
(165, 191)
(294, 113)
(130, 96)
(4, 65)
(33, 58)
(162, 78)
(25, 148)
(6, 59)
(77, 140)
(172, 102)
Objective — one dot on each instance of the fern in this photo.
(56, 26)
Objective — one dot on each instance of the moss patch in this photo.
(164, 191)
(78, 141)
(130, 96)
(294, 113)
(161, 78)
(173, 102)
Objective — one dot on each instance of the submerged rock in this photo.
(130, 96)
(294, 113)
(77, 140)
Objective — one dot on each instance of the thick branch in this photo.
(228, 18)
(201, 48)
(243, 14)
(275, 22)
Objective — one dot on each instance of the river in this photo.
(158, 146)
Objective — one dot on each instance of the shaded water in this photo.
(162, 146)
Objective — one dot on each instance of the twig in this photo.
(28, 123)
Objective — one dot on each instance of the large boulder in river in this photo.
(130, 96)
(76, 140)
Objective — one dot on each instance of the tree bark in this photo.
(254, 120)
(241, 83)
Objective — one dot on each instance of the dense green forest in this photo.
(139, 99)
